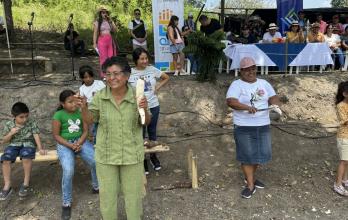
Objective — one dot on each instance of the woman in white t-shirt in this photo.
(89, 88)
(249, 97)
(150, 75)
(334, 42)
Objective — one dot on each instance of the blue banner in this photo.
(287, 12)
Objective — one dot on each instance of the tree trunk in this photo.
(9, 18)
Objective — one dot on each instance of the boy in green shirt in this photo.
(22, 134)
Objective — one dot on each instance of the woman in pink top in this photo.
(102, 38)
(176, 45)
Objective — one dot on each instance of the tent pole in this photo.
(8, 41)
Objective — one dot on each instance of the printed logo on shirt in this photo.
(148, 86)
(257, 96)
(74, 126)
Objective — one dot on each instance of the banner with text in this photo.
(162, 10)
(287, 11)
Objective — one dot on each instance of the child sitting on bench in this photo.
(22, 134)
(71, 132)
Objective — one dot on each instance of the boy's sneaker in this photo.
(4, 194)
(66, 213)
(95, 191)
(146, 167)
(155, 162)
(247, 193)
(340, 190)
(345, 183)
(257, 183)
(23, 191)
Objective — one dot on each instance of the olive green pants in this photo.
(125, 178)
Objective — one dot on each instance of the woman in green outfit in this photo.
(119, 151)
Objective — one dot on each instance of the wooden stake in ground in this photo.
(192, 169)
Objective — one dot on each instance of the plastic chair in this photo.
(227, 43)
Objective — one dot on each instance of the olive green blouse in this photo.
(119, 134)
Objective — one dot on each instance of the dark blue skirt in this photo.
(253, 144)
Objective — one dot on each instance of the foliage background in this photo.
(53, 15)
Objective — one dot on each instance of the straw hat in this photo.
(247, 62)
(315, 25)
(102, 8)
(272, 26)
(294, 23)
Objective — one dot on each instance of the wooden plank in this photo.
(53, 43)
(157, 149)
(20, 59)
(52, 154)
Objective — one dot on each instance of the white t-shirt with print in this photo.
(150, 74)
(90, 91)
(130, 27)
(257, 93)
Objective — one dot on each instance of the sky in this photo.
(306, 3)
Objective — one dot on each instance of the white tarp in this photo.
(162, 10)
(236, 52)
(313, 54)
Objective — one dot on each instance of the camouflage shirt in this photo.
(24, 137)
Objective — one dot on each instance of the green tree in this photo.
(339, 3)
(8, 17)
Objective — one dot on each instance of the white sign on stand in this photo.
(162, 11)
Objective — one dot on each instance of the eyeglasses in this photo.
(104, 12)
(114, 74)
(137, 14)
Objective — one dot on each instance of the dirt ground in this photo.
(194, 116)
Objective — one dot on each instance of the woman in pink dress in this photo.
(102, 38)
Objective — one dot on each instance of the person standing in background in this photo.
(102, 38)
(190, 23)
(137, 30)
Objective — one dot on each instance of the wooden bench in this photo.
(53, 156)
(39, 59)
(191, 160)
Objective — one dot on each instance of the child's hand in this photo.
(81, 101)
(14, 130)
(76, 147)
(42, 152)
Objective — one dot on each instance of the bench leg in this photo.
(290, 72)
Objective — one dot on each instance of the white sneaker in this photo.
(176, 73)
(340, 190)
(193, 73)
(345, 183)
